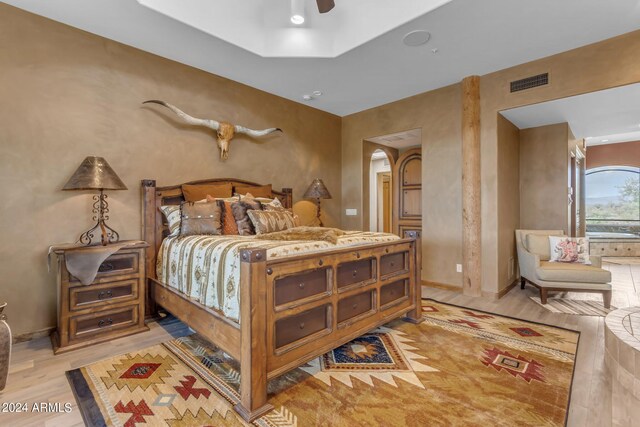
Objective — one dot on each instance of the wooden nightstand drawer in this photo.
(103, 321)
(94, 296)
(112, 306)
(118, 264)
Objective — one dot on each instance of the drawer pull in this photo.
(301, 285)
(105, 266)
(355, 273)
(105, 322)
(105, 294)
(301, 325)
(393, 264)
(354, 306)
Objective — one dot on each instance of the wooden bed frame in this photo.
(292, 309)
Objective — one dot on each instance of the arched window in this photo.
(612, 199)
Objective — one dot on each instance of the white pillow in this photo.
(569, 249)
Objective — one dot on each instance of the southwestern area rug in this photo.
(459, 367)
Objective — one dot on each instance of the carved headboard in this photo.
(154, 225)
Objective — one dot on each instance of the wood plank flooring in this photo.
(36, 375)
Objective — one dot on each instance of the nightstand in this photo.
(112, 306)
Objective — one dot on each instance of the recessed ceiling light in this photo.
(416, 38)
(297, 19)
(317, 93)
(605, 140)
(307, 97)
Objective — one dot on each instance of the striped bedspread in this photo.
(207, 268)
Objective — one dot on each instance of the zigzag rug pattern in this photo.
(460, 366)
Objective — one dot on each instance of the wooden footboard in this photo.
(295, 309)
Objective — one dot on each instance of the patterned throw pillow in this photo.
(569, 249)
(240, 213)
(200, 218)
(272, 205)
(172, 213)
(271, 221)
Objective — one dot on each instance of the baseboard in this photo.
(33, 335)
(497, 295)
(445, 286)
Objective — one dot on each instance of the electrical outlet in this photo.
(458, 268)
(352, 212)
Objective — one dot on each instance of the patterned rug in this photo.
(575, 306)
(459, 367)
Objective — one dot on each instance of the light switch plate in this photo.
(352, 212)
(458, 268)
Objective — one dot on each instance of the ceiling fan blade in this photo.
(325, 6)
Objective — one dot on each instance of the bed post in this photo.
(149, 215)
(288, 194)
(415, 315)
(253, 333)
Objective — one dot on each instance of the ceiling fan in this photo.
(325, 6)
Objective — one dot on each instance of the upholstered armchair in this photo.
(535, 268)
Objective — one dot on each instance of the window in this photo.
(612, 199)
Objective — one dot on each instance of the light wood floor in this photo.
(38, 376)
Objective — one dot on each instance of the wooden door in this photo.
(386, 203)
(407, 176)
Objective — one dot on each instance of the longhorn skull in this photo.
(225, 131)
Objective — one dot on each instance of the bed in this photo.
(288, 306)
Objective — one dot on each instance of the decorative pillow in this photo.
(271, 221)
(172, 213)
(229, 225)
(195, 192)
(200, 218)
(569, 249)
(240, 213)
(538, 244)
(273, 205)
(256, 191)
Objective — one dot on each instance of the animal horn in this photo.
(256, 133)
(184, 116)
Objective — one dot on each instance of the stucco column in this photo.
(471, 220)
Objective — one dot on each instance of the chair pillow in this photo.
(200, 218)
(538, 244)
(569, 249)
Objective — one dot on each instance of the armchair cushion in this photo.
(538, 244)
(571, 272)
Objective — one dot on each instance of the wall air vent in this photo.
(530, 82)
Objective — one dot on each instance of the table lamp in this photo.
(94, 173)
(317, 190)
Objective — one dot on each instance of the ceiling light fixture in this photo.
(416, 38)
(317, 93)
(297, 12)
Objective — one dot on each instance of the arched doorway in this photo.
(380, 192)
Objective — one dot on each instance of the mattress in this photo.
(207, 268)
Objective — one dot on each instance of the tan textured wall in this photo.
(67, 94)
(509, 194)
(543, 177)
(603, 65)
(622, 154)
(438, 114)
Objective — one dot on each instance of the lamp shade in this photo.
(94, 173)
(317, 190)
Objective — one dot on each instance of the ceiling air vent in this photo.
(530, 82)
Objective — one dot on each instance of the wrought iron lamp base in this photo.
(100, 215)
